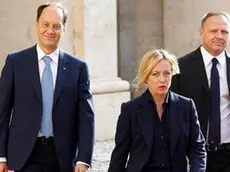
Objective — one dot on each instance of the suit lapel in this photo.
(144, 114)
(176, 116)
(62, 72)
(228, 70)
(199, 69)
(33, 69)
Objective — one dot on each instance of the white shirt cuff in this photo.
(80, 162)
(3, 159)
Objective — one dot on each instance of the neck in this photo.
(47, 50)
(159, 99)
(213, 53)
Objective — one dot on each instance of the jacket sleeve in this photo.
(196, 151)
(6, 103)
(175, 85)
(122, 142)
(85, 118)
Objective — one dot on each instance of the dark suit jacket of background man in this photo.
(193, 83)
(134, 136)
(73, 116)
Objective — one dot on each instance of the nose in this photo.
(161, 78)
(219, 35)
(50, 30)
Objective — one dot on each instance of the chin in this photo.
(218, 47)
(219, 50)
(162, 93)
(50, 45)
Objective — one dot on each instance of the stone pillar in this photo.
(182, 22)
(140, 29)
(100, 53)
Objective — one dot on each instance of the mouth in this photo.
(218, 43)
(50, 37)
(162, 87)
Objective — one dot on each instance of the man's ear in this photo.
(201, 32)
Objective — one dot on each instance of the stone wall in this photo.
(182, 22)
(140, 28)
(170, 24)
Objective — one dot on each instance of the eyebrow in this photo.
(163, 71)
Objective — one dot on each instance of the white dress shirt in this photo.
(53, 63)
(224, 92)
(41, 66)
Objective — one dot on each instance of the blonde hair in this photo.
(149, 61)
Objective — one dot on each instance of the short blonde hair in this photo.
(149, 61)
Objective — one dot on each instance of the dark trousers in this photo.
(156, 170)
(43, 157)
(218, 161)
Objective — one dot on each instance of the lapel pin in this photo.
(64, 68)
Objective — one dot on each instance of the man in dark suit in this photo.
(205, 77)
(47, 91)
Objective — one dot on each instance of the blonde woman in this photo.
(159, 129)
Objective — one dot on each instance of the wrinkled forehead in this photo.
(217, 20)
(51, 15)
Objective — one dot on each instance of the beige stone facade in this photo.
(111, 36)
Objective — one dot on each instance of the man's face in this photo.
(215, 34)
(50, 28)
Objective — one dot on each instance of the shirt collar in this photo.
(150, 98)
(207, 57)
(54, 56)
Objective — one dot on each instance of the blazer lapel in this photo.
(228, 70)
(33, 69)
(144, 114)
(176, 116)
(62, 72)
(199, 69)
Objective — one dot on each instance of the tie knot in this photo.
(214, 61)
(47, 60)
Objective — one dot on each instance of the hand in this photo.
(187, 160)
(80, 168)
(3, 167)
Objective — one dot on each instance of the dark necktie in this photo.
(214, 118)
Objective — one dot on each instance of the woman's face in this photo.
(160, 78)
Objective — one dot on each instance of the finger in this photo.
(83, 170)
(77, 169)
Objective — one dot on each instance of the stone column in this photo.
(140, 29)
(100, 53)
(182, 22)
